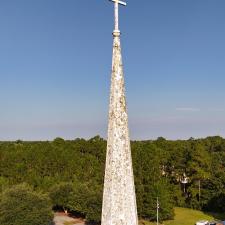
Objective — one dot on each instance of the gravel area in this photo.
(61, 218)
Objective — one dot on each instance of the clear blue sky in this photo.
(55, 61)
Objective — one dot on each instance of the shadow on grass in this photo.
(217, 203)
(217, 216)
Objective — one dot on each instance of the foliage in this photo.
(61, 195)
(72, 173)
(20, 205)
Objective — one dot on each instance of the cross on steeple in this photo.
(117, 3)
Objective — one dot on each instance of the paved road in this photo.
(61, 218)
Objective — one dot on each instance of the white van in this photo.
(202, 222)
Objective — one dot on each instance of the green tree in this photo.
(20, 205)
(61, 195)
(87, 200)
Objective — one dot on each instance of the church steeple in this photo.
(119, 200)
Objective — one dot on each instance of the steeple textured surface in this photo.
(119, 200)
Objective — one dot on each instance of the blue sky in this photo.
(55, 61)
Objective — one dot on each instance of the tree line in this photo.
(70, 174)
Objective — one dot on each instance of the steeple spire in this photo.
(119, 200)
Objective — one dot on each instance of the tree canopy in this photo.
(187, 173)
(20, 205)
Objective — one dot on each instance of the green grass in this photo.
(184, 217)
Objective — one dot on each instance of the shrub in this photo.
(81, 199)
(61, 195)
(20, 205)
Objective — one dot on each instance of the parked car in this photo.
(217, 223)
(202, 222)
(213, 223)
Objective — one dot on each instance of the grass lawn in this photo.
(184, 217)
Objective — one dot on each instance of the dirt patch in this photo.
(64, 219)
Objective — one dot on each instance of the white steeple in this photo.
(119, 200)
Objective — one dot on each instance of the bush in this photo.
(94, 206)
(20, 205)
(81, 199)
(61, 195)
(217, 203)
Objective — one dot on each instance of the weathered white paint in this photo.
(119, 200)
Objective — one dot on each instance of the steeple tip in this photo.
(116, 31)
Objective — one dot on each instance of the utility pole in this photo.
(157, 211)
(199, 192)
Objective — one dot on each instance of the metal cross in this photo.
(117, 3)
